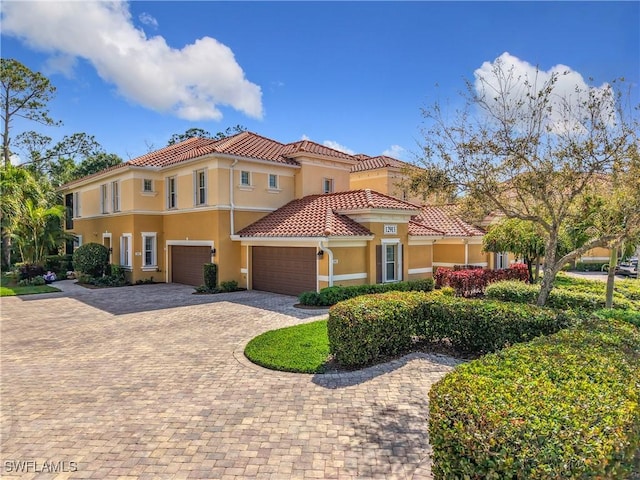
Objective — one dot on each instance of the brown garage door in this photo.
(187, 262)
(289, 271)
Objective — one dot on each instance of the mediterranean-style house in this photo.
(278, 217)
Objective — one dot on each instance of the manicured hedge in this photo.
(368, 328)
(331, 295)
(512, 291)
(562, 406)
(371, 327)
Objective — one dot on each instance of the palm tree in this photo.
(39, 230)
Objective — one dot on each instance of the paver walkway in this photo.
(150, 382)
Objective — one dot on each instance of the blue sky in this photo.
(348, 74)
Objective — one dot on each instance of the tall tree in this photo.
(533, 150)
(24, 94)
(200, 133)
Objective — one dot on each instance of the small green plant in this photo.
(229, 286)
(211, 276)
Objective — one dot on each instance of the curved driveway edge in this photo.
(150, 382)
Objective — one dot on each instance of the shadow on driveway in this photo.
(162, 296)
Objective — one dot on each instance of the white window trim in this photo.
(332, 185)
(196, 187)
(275, 189)
(115, 196)
(76, 205)
(129, 259)
(398, 243)
(143, 184)
(77, 239)
(175, 192)
(154, 254)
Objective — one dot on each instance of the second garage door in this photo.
(289, 271)
(187, 264)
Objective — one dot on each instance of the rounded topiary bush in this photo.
(91, 259)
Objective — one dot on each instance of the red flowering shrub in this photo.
(472, 281)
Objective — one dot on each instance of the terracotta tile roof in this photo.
(176, 153)
(244, 144)
(421, 230)
(322, 215)
(381, 161)
(438, 219)
(307, 146)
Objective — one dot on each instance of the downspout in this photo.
(231, 204)
(330, 255)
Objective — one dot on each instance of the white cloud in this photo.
(305, 137)
(192, 82)
(521, 79)
(337, 146)
(147, 19)
(394, 151)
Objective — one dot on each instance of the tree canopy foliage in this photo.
(200, 133)
(562, 159)
(24, 94)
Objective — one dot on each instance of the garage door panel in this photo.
(187, 264)
(289, 271)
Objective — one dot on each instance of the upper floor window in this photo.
(200, 187)
(245, 178)
(104, 198)
(273, 181)
(147, 185)
(327, 185)
(115, 196)
(172, 198)
(76, 204)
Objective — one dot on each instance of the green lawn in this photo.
(302, 348)
(30, 290)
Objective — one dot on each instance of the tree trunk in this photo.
(550, 269)
(537, 276)
(613, 261)
(529, 263)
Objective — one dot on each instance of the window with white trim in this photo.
(77, 241)
(273, 181)
(104, 198)
(76, 204)
(126, 254)
(172, 197)
(392, 261)
(149, 250)
(327, 185)
(115, 196)
(245, 178)
(147, 185)
(200, 187)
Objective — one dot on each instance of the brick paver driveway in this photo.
(150, 382)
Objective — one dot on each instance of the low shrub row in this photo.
(368, 328)
(470, 282)
(562, 406)
(332, 295)
(564, 299)
(590, 267)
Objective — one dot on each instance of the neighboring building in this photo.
(273, 216)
